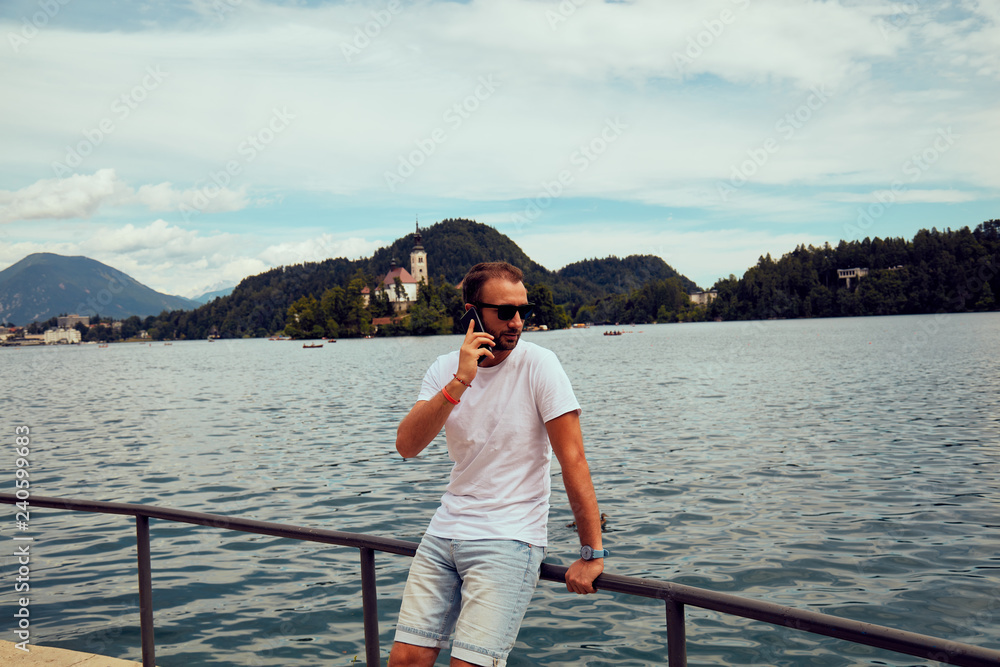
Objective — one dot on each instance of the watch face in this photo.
(586, 552)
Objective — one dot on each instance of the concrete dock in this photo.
(40, 656)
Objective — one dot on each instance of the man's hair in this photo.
(477, 276)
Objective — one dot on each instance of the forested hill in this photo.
(258, 306)
(597, 278)
(938, 271)
(453, 246)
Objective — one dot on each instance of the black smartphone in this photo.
(472, 315)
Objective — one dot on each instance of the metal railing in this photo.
(675, 596)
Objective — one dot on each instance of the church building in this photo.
(403, 296)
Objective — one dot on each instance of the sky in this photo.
(191, 144)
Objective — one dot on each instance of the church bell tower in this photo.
(418, 258)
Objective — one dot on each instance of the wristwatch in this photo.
(588, 552)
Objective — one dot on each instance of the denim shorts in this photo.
(478, 588)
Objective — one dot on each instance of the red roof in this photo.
(404, 277)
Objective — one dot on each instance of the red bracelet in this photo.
(448, 397)
(467, 384)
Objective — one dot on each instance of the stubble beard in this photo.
(505, 344)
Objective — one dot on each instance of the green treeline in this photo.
(938, 271)
(439, 306)
(656, 301)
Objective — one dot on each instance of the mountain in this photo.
(211, 296)
(44, 285)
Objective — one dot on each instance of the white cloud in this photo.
(557, 83)
(207, 199)
(82, 195)
(174, 260)
(78, 196)
(901, 196)
(317, 249)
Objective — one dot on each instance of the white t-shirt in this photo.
(499, 487)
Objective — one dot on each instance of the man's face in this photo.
(502, 292)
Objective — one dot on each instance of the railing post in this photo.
(145, 591)
(676, 641)
(369, 598)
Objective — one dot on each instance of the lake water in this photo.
(849, 466)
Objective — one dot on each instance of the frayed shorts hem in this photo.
(420, 638)
(460, 650)
(477, 656)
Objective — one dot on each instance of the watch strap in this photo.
(589, 553)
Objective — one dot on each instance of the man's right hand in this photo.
(470, 352)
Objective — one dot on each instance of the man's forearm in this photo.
(583, 503)
(425, 420)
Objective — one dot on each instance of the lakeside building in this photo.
(847, 274)
(703, 298)
(70, 321)
(61, 335)
(403, 294)
(859, 273)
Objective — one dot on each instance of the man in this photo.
(505, 408)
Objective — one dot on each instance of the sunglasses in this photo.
(506, 312)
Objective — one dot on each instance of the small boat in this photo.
(311, 345)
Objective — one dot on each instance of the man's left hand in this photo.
(581, 574)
